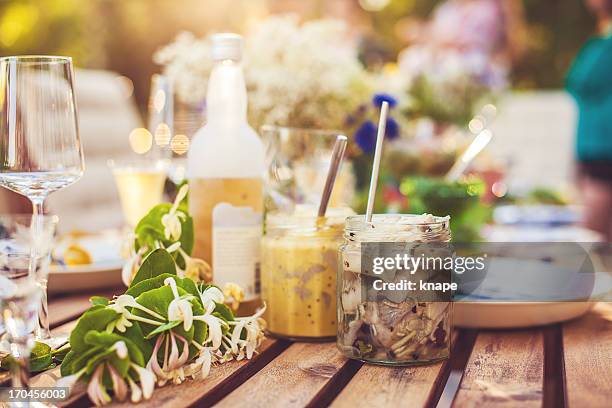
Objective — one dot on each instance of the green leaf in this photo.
(66, 367)
(99, 301)
(224, 312)
(136, 336)
(96, 318)
(40, 357)
(156, 263)
(60, 354)
(163, 328)
(74, 362)
(148, 284)
(105, 341)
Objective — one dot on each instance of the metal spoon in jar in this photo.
(334, 167)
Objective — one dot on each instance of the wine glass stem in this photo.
(38, 204)
(20, 371)
(42, 331)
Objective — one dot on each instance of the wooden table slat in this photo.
(506, 369)
(587, 346)
(206, 392)
(378, 386)
(293, 379)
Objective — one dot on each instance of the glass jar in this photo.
(299, 264)
(382, 329)
(297, 162)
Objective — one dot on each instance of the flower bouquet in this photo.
(168, 326)
(299, 75)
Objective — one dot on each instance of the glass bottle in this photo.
(225, 169)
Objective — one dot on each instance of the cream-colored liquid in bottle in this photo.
(225, 168)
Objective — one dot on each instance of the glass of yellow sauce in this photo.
(299, 264)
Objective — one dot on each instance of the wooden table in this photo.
(560, 365)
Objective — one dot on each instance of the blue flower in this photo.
(392, 129)
(379, 98)
(365, 137)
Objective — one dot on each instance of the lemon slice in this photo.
(76, 255)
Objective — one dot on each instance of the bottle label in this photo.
(236, 236)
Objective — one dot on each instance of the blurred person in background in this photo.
(493, 29)
(589, 81)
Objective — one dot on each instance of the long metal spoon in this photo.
(334, 166)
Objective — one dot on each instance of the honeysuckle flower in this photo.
(215, 334)
(153, 363)
(200, 368)
(172, 220)
(135, 391)
(121, 304)
(120, 388)
(131, 265)
(96, 391)
(180, 307)
(174, 247)
(121, 349)
(147, 381)
(70, 380)
(210, 295)
(254, 326)
(234, 294)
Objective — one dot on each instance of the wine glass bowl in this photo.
(40, 147)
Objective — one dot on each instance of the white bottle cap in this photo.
(226, 46)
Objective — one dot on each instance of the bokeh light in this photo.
(373, 5)
(141, 140)
(180, 144)
(159, 101)
(162, 134)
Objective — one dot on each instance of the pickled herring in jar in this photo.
(299, 264)
(391, 327)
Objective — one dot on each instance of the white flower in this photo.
(303, 75)
(70, 380)
(254, 326)
(120, 388)
(200, 368)
(215, 334)
(147, 381)
(121, 304)
(172, 220)
(121, 349)
(211, 295)
(136, 392)
(180, 307)
(96, 391)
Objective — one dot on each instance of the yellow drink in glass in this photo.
(140, 188)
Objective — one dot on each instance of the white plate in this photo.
(505, 315)
(104, 271)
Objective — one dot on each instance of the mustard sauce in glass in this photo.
(299, 264)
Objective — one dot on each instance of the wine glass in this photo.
(25, 244)
(40, 148)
